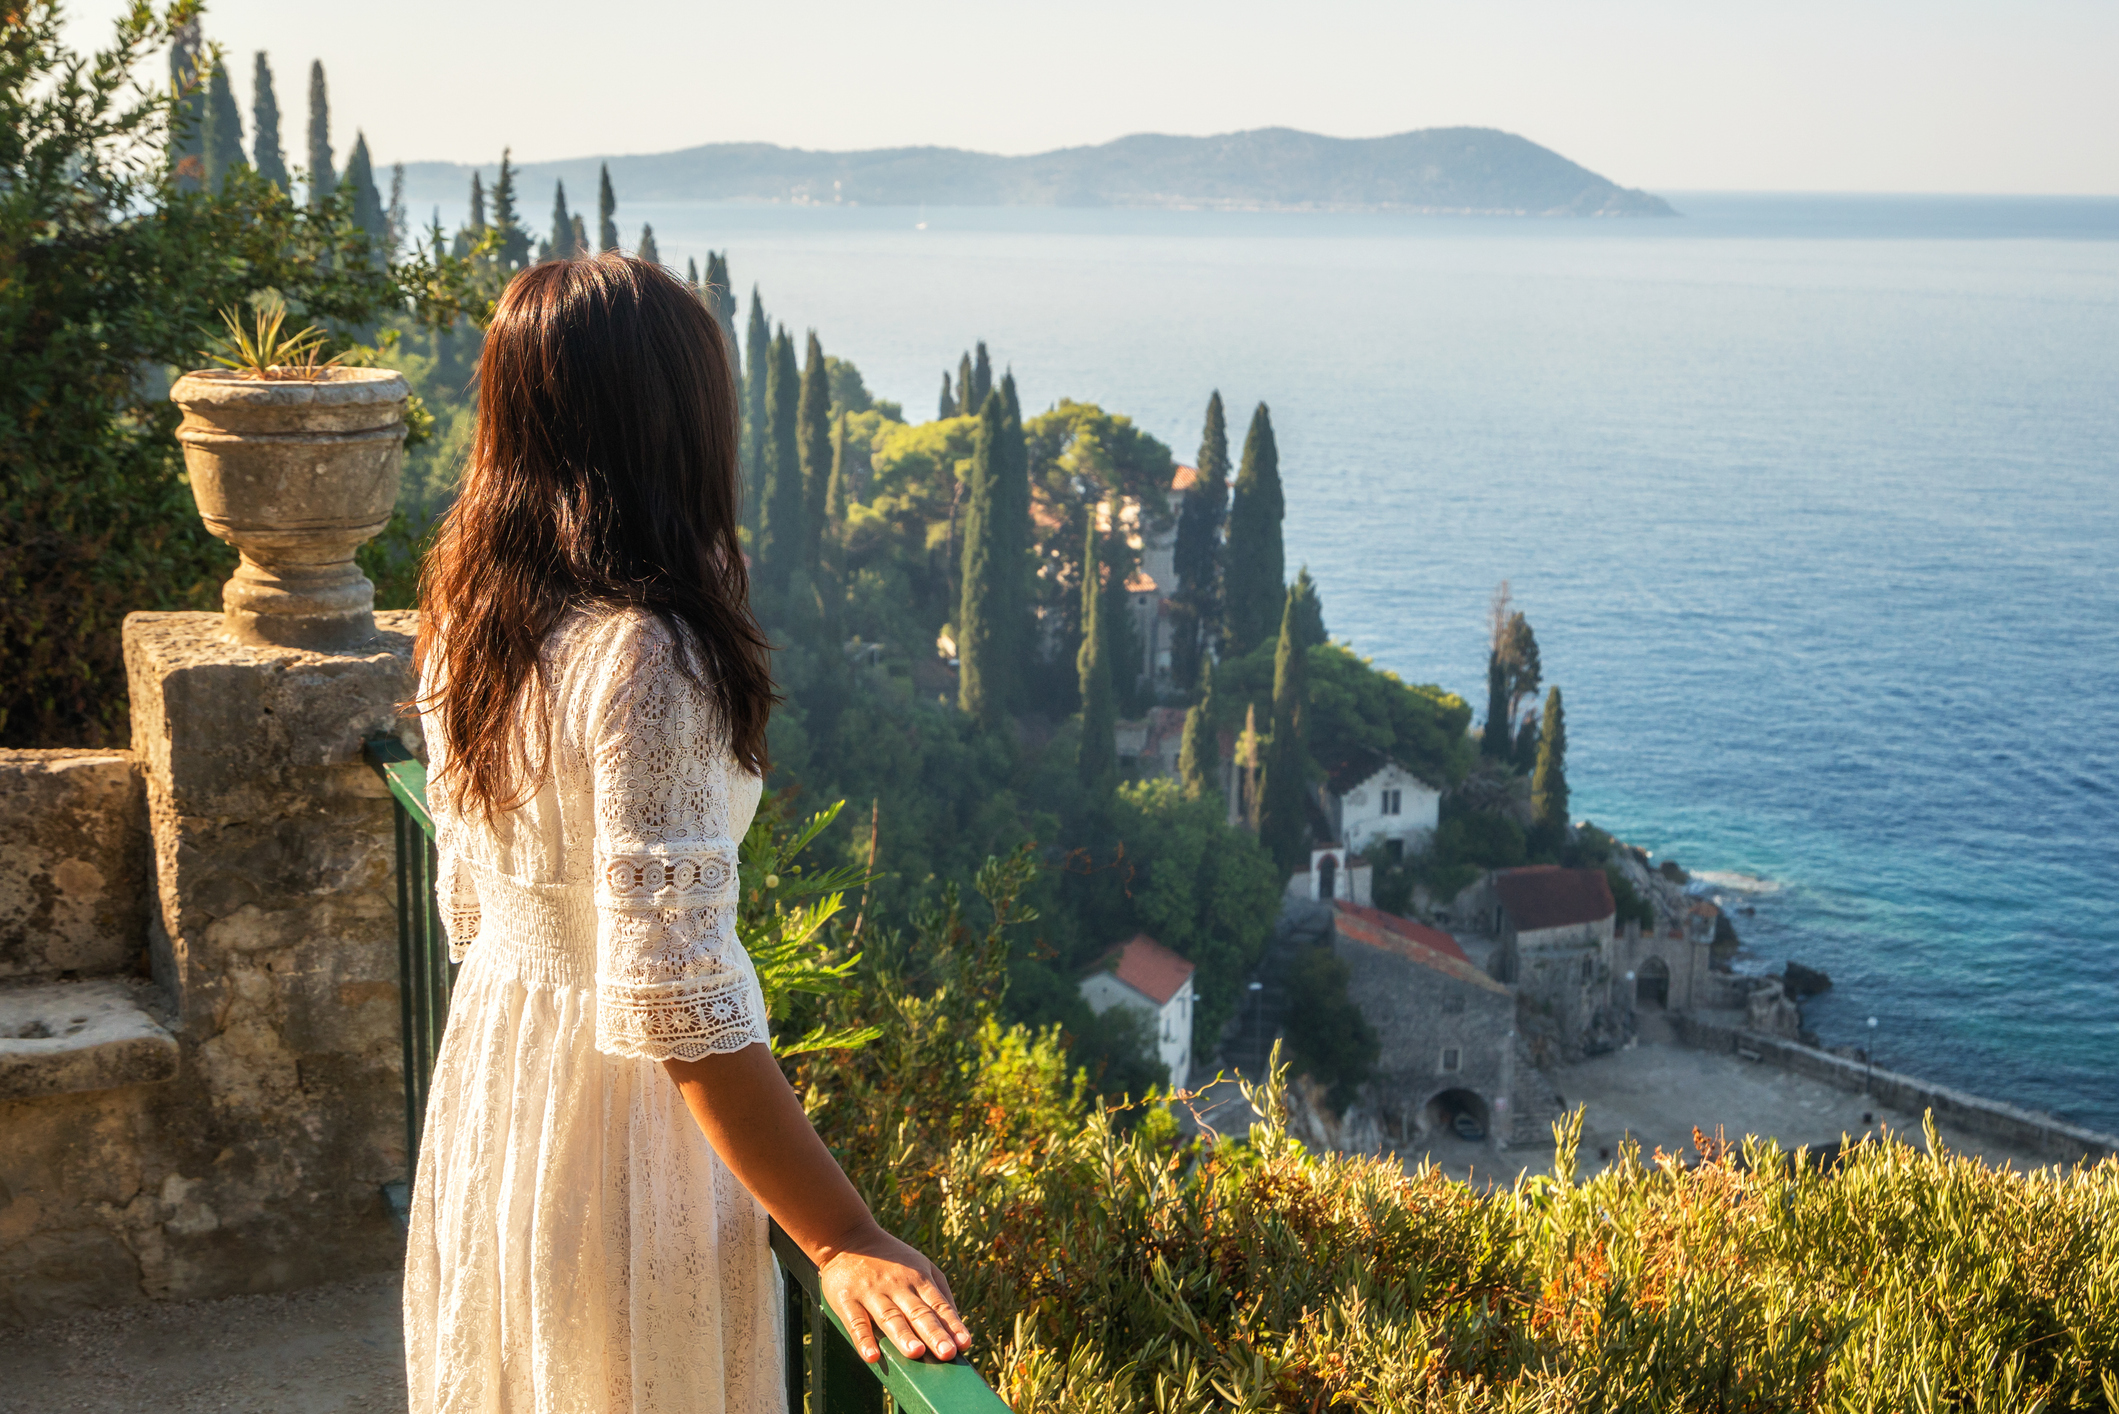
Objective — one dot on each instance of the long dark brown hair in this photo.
(602, 473)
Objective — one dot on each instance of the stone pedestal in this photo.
(275, 936)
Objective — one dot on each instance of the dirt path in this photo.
(328, 1350)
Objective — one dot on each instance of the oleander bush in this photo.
(1108, 1262)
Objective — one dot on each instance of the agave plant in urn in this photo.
(295, 461)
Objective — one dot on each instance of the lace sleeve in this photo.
(672, 981)
(457, 897)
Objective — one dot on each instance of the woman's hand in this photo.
(877, 1283)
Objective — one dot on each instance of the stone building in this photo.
(1149, 978)
(1555, 929)
(1447, 1059)
(1335, 872)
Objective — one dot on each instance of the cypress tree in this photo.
(948, 405)
(1524, 755)
(187, 118)
(981, 378)
(1493, 740)
(581, 239)
(780, 534)
(1255, 565)
(476, 226)
(839, 498)
(322, 179)
(964, 406)
(394, 213)
(1308, 608)
(1283, 817)
(757, 358)
(268, 156)
(514, 239)
(607, 213)
(1097, 756)
(1520, 655)
(722, 301)
(1198, 551)
(367, 202)
(560, 243)
(982, 636)
(1012, 516)
(1198, 758)
(649, 251)
(224, 129)
(813, 449)
(1548, 784)
(691, 277)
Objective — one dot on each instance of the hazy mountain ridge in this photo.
(1458, 171)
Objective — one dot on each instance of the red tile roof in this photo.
(1547, 896)
(1415, 942)
(1148, 968)
(1187, 477)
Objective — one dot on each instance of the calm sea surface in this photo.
(1814, 503)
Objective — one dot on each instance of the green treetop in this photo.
(839, 497)
(606, 214)
(323, 180)
(757, 358)
(982, 636)
(1493, 738)
(268, 156)
(1308, 607)
(1283, 816)
(1199, 758)
(649, 251)
(581, 238)
(559, 245)
(722, 301)
(780, 533)
(1521, 656)
(1097, 755)
(224, 129)
(476, 225)
(981, 378)
(691, 277)
(965, 407)
(948, 404)
(514, 236)
(1548, 784)
(187, 114)
(368, 211)
(1254, 564)
(813, 449)
(1197, 554)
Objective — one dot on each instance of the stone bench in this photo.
(59, 1038)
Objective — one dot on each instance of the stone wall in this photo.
(73, 872)
(270, 931)
(1417, 1013)
(2036, 1133)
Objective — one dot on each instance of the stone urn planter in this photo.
(297, 473)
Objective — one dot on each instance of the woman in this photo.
(607, 1129)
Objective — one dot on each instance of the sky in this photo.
(2003, 96)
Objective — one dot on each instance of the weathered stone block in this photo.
(60, 1037)
(73, 875)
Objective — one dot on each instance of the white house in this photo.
(1380, 809)
(1145, 975)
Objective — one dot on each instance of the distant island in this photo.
(1436, 171)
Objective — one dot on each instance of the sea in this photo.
(1813, 502)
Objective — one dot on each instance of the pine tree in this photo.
(560, 243)
(1255, 565)
(1097, 756)
(607, 214)
(268, 156)
(780, 534)
(322, 179)
(1198, 550)
(1548, 784)
(649, 251)
(964, 406)
(813, 449)
(368, 211)
(981, 378)
(514, 239)
(187, 118)
(394, 214)
(1283, 816)
(1199, 757)
(224, 129)
(757, 357)
(948, 405)
(982, 636)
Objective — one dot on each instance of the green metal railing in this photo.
(822, 1365)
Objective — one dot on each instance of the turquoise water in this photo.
(1814, 503)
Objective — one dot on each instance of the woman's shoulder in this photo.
(611, 634)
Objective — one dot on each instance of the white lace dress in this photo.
(576, 1245)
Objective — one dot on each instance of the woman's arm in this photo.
(750, 1115)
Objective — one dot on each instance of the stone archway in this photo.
(1651, 982)
(1328, 877)
(1458, 1114)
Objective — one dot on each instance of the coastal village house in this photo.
(1379, 808)
(1447, 1063)
(1146, 976)
(1555, 928)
